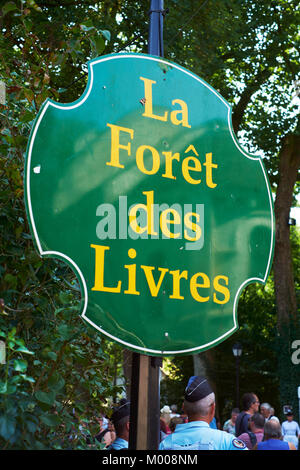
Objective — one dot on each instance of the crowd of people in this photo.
(256, 424)
(255, 427)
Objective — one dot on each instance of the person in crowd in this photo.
(174, 421)
(106, 435)
(174, 413)
(256, 431)
(250, 405)
(164, 429)
(165, 417)
(229, 425)
(165, 414)
(120, 419)
(272, 439)
(266, 411)
(291, 430)
(199, 405)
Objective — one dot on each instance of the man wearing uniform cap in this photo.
(120, 419)
(196, 434)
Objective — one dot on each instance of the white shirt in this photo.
(290, 428)
(290, 432)
(273, 417)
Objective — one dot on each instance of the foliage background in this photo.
(59, 374)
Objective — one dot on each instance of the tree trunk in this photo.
(204, 364)
(285, 293)
(199, 365)
(283, 269)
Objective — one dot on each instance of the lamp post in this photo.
(237, 352)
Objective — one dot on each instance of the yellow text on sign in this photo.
(199, 283)
(177, 116)
(191, 167)
(169, 220)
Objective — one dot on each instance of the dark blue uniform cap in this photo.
(197, 388)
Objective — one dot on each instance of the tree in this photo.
(58, 373)
(246, 50)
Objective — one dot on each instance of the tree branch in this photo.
(249, 91)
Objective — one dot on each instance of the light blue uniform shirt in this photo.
(198, 435)
(118, 444)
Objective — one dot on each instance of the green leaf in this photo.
(25, 404)
(24, 350)
(9, 6)
(20, 365)
(44, 397)
(3, 387)
(106, 34)
(12, 333)
(87, 26)
(65, 331)
(32, 427)
(56, 382)
(27, 378)
(40, 446)
(99, 44)
(7, 426)
(52, 355)
(65, 298)
(16, 379)
(50, 420)
(11, 388)
(28, 116)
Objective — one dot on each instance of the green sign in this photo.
(141, 187)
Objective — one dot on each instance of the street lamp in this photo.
(237, 352)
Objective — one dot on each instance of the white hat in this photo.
(166, 409)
